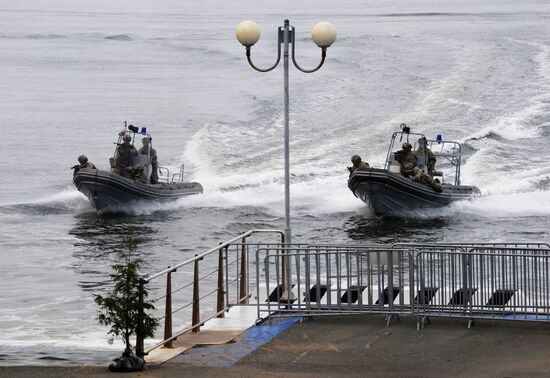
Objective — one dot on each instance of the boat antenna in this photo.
(404, 130)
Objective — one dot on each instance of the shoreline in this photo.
(361, 346)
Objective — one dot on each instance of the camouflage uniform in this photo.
(417, 175)
(408, 162)
(154, 162)
(122, 157)
(358, 163)
(88, 165)
(407, 159)
(428, 155)
(137, 174)
(83, 163)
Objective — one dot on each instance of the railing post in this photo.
(390, 280)
(196, 305)
(465, 283)
(413, 286)
(283, 274)
(168, 311)
(139, 329)
(287, 296)
(220, 306)
(283, 267)
(242, 287)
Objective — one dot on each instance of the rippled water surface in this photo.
(71, 73)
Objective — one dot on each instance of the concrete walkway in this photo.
(364, 346)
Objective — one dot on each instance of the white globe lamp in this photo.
(248, 33)
(323, 34)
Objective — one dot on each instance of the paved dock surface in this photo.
(364, 346)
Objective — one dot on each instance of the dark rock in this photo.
(127, 363)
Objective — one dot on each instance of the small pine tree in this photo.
(124, 308)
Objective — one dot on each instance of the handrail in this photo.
(215, 249)
(161, 169)
(221, 290)
(194, 327)
(508, 245)
(483, 244)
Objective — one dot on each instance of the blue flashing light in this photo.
(144, 130)
(439, 138)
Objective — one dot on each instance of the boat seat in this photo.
(395, 168)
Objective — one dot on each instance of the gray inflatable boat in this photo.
(108, 191)
(386, 191)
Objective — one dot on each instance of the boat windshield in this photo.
(144, 158)
(447, 153)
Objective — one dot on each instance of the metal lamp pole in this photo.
(323, 34)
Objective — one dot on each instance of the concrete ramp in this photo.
(216, 331)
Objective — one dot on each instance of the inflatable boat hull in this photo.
(387, 192)
(109, 191)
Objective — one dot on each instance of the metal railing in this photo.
(167, 177)
(463, 246)
(472, 280)
(203, 287)
(323, 280)
(329, 279)
(487, 282)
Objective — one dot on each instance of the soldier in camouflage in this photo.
(357, 163)
(124, 152)
(426, 154)
(408, 162)
(84, 163)
(407, 159)
(146, 149)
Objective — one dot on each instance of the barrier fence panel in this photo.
(322, 280)
(485, 282)
(443, 246)
(470, 281)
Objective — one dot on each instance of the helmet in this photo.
(127, 138)
(406, 146)
(82, 159)
(145, 140)
(356, 159)
(422, 142)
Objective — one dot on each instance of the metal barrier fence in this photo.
(472, 280)
(485, 282)
(497, 282)
(326, 280)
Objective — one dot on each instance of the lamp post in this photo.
(323, 34)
